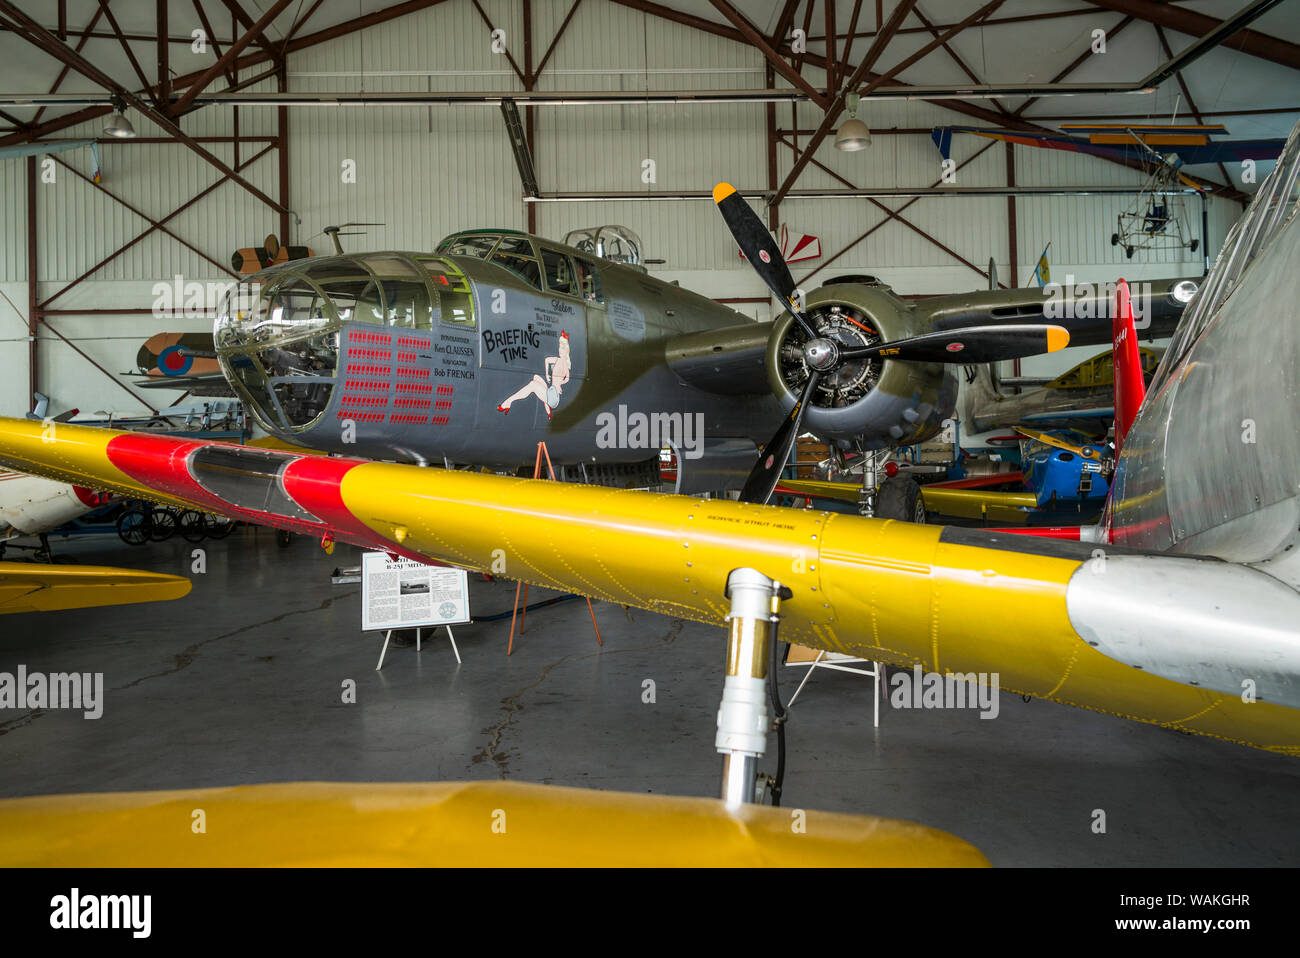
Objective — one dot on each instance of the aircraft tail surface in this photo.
(1129, 386)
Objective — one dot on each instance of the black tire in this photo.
(283, 538)
(133, 527)
(900, 498)
(1128, 252)
(162, 524)
(1114, 239)
(218, 527)
(1191, 248)
(193, 526)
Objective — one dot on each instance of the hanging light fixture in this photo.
(853, 135)
(119, 127)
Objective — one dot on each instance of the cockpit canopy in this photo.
(617, 244)
(277, 336)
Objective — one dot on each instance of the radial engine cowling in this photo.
(877, 401)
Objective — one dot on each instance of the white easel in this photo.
(418, 635)
(837, 664)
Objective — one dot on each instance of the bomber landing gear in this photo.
(900, 498)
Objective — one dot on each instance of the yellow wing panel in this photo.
(881, 589)
(489, 824)
(33, 587)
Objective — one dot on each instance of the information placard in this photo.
(405, 594)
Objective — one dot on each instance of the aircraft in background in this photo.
(180, 361)
(1183, 144)
(1080, 398)
(1179, 609)
(38, 587)
(32, 506)
(498, 340)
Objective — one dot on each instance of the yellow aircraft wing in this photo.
(452, 824)
(987, 504)
(822, 489)
(1013, 507)
(1073, 622)
(37, 587)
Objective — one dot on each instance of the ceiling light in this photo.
(853, 135)
(119, 127)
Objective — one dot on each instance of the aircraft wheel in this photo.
(1191, 247)
(1114, 239)
(218, 527)
(1128, 252)
(193, 526)
(162, 525)
(133, 527)
(900, 498)
(283, 538)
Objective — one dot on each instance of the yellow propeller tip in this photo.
(1058, 337)
(722, 191)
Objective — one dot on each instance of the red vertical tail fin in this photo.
(1130, 390)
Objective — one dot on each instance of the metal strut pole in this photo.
(743, 721)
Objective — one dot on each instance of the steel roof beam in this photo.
(1195, 24)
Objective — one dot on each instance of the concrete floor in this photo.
(240, 682)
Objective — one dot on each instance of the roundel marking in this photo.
(173, 361)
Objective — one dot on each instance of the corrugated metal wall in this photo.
(13, 220)
(425, 172)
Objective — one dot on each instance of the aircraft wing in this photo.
(1085, 312)
(38, 587)
(1163, 639)
(729, 360)
(204, 384)
(1122, 147)
(376, 824)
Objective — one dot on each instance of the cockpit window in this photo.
(453, 302)
(407, 304)
(479, 246)
(559, 272)
(516, 254)
(589, 282)
(289, 308)
(356, 301)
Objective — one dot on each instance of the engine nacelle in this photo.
(880, 402)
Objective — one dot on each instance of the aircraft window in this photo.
(237, 314)
(391, 266)
(516, 255)
(453, 302)
(589, 281)
(313, 356)
(356, 301)
(559, 272)
(303, 401)
(292, 307)
(478, 246)
(335, 268)
(250, 377)
(245, 477)
(408, 304)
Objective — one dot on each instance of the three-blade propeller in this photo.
(975, 344)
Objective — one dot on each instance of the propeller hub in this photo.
(821, 354)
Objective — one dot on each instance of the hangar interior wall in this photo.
(426, 171)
